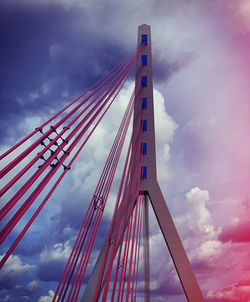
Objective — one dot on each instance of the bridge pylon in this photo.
(151, 189)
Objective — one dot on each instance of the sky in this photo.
(51, 51)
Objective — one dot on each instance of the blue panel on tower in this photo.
(144, 125)
(144, 81)
(144, 39)
(143, 172)
(144, 60)
(144, 148)
(144, 103)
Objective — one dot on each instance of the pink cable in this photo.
(97, 193)
(26, 152)
(62, 110)
(102, 267)
(116, 235)
(136, 257)
(137, 268)
(25, 187)
(115, 143)
(35, 144)
(109, 184)
(35, 215)
(122, 282)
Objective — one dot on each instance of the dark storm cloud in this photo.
(164, 67)
(51, 270)
(50, 53)
(45, 51)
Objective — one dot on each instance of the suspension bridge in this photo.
(49, 153)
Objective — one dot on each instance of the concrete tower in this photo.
(151, 186)
(151, 189)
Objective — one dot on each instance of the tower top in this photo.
(144, 25)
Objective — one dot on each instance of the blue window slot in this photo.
(144, 125)
(144, 148)
(144, 60)
(144, 39)
(143, 172)
(144, 103)
(144, 81)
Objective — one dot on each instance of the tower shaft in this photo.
(151, 188)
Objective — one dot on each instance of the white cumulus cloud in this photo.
(59, 251)
(48, 298)
(14, 267)
(199, 216)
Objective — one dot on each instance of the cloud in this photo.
(165, 128)
(48, 298)
(193, 217)
(5, 296)
(13, 269)
(48, 64)
(53, 260)
(209, 248)
(33, 286)
(243, 13)
(197, 199)
(62, 62)
(206, 257)
(199, 236)
(236, 232)
(236, 292)
(164, 67)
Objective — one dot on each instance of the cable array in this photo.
(70, 284)
(125, 229)
(36, 167)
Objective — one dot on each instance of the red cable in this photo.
(91, 205)
(35, 144)
(132, 250)
(53, 190)
(124, 137)
(123, 270)
(121, 210)
(122, 282)
(18, 195)
(29, 165)
(133, 236)
(114, 244)
(4, 259)
(101, 180)
(112, 175)
(125, 253)
(107, 278)
(103, 265)
(136, 257)
(120, 129)
(62, 110)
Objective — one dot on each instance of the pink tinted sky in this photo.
(217, 85)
